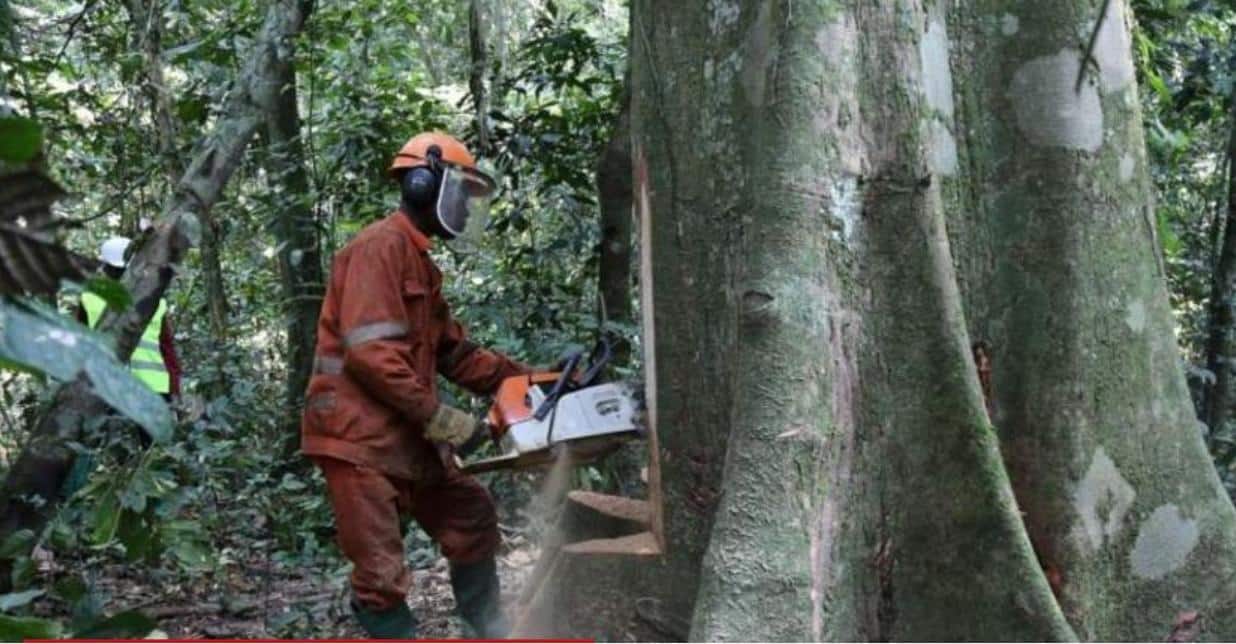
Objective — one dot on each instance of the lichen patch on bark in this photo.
(1128, 165)
(1051, 111)
(722, 15)
(1113, 49)
(943, 152)
(845, 207)
(937, 74)
(1010, 24)
(1135, 316)
(1164, 542)
(1102, 499)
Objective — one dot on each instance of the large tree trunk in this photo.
(1219, 395)
(834, 226)
(300, 257)
(1064, 278)
(31, 491)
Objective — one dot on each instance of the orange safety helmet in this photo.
(414, 152)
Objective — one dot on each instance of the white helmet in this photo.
(112, 251)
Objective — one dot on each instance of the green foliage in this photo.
(370, 74)
(17, 629)
(20, 139)
(126, 625)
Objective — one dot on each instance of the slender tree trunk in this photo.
(300, 258)
(479, 51)
(31, 491)
(146, 24)
(614, 188)
(146, 19)
(212, 277)
(1219, 396)
(835, 225)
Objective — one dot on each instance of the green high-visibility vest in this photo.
(147, 359)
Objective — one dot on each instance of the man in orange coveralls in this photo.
(372, 419)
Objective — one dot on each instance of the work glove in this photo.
(452, 426)
(454, 432)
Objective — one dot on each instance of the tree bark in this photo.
(300, 257)
(613, 179)
(835, 225)
(1219, 396)
(31, 490)
(479, 55)
(1064, 278)
(212, 277)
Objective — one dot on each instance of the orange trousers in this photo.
(370, 513)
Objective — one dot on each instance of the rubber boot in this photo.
(394, 623)
(477, 598)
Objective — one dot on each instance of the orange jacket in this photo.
(383, 334)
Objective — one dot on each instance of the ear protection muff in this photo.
(420, 185)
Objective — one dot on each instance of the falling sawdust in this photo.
(543, 513)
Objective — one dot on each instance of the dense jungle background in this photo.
(218, 528)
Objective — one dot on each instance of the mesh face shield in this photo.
(463, 201)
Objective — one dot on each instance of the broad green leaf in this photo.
(192, 554)
(17, 366)
(17, 629)
(135, 535)
(20, 139)
(22, 576)
(105, 520)
(112, 292)
(127, 625)
(18, 543)
(70, 589)
(9, 601)
(62, 349)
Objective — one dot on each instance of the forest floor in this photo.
(258, 599)
(251, 589)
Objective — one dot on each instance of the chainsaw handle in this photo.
(601, 354)
(559, 387)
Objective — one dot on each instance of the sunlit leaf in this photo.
(9, 601)
(106, 518)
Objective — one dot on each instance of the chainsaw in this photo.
(542, 418)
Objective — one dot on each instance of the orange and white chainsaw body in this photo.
(587, 422)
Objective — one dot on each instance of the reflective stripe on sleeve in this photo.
(143, 364)
(328, 365)
(375, 331)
